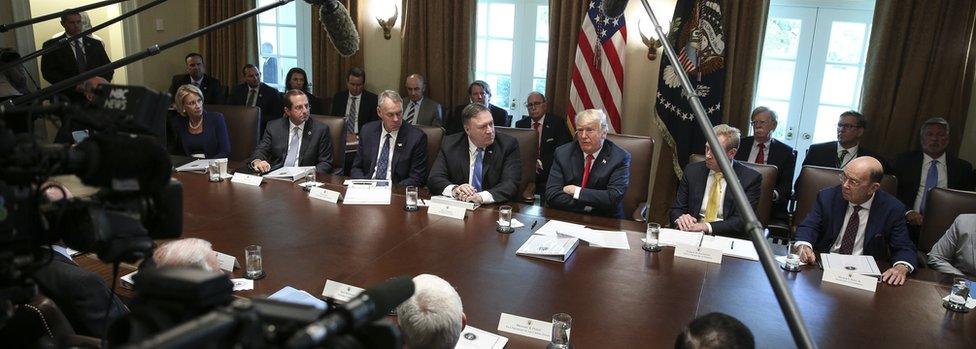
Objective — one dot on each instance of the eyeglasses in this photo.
(533, 104)
(587, 131)
(760, 123)
(844, 179)
(847, 126)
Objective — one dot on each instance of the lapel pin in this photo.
(604, 161)
(399, 144)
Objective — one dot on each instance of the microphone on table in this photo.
(613, 8)
(338, 25)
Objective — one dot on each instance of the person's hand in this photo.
(702, 227)
(475, 198)
(914, 218)
(570, 189)
(806, 254)
(463, 191)
(261, 166)
(685, 222)
(895, 275)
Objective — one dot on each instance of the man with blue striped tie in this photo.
(417, 108)
(390, 148)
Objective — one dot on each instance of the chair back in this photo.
(641, 149)
(813, 179)
(769, 176)
(435, 135)
(942, 206)
(242, 128)
(528, 142)
(38, 321)
(337, 134)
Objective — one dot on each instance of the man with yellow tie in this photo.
(703, 203)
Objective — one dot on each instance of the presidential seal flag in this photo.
(698, 38)
(598, 74)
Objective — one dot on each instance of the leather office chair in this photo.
(337, 134)
(641, 149)
(769, 175)
(242, 128)
(40, 323)
(528, 142)
(435, 135)
(812, 179)
(942, 206)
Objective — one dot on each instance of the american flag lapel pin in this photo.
(604, 161)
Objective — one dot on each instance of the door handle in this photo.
(806, 136)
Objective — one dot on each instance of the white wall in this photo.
(382, 56)
(111, 36)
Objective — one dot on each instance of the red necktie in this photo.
(847, 244)
(538, 132)
(586, 170)
(761, 156)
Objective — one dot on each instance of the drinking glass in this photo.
(958, 296)
(651, 238)
(505, 219)
(411, 194)
(213, 171)
(561, 325)
(792, 256)
(252, 254)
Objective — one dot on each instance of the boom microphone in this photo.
(613, 8)
(339, 26)
(369, 306)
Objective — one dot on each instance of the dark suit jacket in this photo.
(781, 155)
(825, 154)
(316, 148)
(454, 124)
(409, 162)
(214, 130)
(60, 64)
(367, 106)
(605, 188)
(80, 294)
(691, 192)
(885, 234)
(908, 169)
(269, 100)
(554, 134)
(213, 91)
(430, 112)
(501, 166)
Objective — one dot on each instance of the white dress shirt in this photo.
(940, 167)
(755, 150)
(486, 197)
(389, 158)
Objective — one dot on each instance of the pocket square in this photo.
(550, 139)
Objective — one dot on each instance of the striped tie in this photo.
(412, 114)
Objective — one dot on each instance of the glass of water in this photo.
(213, 171)
(562, 323)
(792, 262)
(958, 296)
(505, 219)
(252, 255)
(411, 194)
(652, 236)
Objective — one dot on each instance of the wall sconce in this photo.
(652, 44)
(389, 23)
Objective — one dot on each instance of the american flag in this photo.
(598, 75)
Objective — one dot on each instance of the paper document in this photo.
(368, 192)
(731, 247)
(293, 295)
(674, 237)
(127, 280)
(447, 200)
(195, 166)
(474, 338)
(553, 226)
(515, 223)
(548, 247)
(242, 284)
(612, 239)
(290, 173)
(864, 265)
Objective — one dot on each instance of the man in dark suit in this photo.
(762, 148)
(295, 140)
(940, 170)
(479, 93)
(858, 219)
(419, 109)
(552, 133)
(478, 165)
(196, 74)
(390, 148)
(254, 93)
(702, 192)
(355, 103)
(838, 153)
(79, 56)
(590, 175)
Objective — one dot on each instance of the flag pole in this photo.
(786, 302)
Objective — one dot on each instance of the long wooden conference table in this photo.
(617, 298)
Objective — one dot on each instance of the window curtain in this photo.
(438, 42)
(565, 18)
(745, 26)
(222, 49)
(328, 67)
(919, 65)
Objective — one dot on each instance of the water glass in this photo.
(213, 171)
(310, 177)
(222, 164)
(792, 256)
(411, 194)
(561, 326)
(651, 238)
(252, 254)
(505, 219)
(958, 296)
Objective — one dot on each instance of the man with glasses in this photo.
(838, 153)
(551, 131)
(295, 140)
(479, 93)
(592, 174)
(762, 148)
(856, 218)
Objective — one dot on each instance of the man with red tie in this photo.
(592, 174)
(762, 148)
(552, 132)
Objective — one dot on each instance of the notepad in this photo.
(548, 247)
(290, 174)
(368, 192)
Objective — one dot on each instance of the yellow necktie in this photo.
(711, 209)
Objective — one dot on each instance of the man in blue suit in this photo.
(858, 219)
(389, 148)
(590, 175)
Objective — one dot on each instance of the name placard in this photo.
(340, 291)
(227, 262)
(244, 178)
(324, 195)
(704, 254)
(849, 279)
(523, 326)
(441, 209)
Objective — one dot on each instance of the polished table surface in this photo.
(617, 298)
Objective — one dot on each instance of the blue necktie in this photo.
(292, 158)
(476, 176)
(931, 181)
(384, 160)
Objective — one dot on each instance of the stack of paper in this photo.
(195, 166)
(596, 238)
(864, 265)
(548, 247)
(474, 338)
(292, 295)
(290, 174)
(368, 192)
(731, 247)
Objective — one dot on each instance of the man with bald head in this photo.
(551, 131)
(417, 108)
(858, 219)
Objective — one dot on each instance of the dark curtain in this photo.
(438, 42)
(225, 50)
(328, 67)
(565, 18)
(745, 26)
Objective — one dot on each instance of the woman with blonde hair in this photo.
(201, 134)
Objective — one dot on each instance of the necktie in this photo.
(476, 176)
(412, 114)
(384, 160)
(586, 170)
(80, 56)
(252, 97)
(351, 116)
(711, 208)
(931, 181)
(292, 158)
(761, 155)
(538, 151)
(840, 159)
(847, 244)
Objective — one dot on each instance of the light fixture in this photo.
(652, 44)
(389, 23)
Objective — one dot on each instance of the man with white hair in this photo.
(391, 148)
(592, 174)
(189, 252)
(433, 317)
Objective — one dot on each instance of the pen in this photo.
(533, 224)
